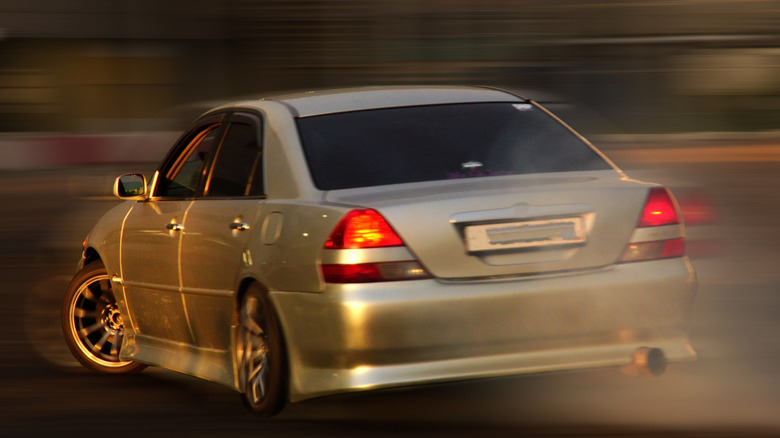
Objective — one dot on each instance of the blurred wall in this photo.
(649, 66)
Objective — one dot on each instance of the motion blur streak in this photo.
(683, 93)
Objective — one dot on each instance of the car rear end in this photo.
(478, 240)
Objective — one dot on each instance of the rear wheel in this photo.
(92, 323)
(260, 355)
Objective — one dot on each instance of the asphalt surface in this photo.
(733, 390)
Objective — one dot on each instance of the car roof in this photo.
(313, 103)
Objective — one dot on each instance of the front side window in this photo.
(437, 142)
(182, 178)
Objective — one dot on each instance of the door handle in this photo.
(174, 227)
(239, 226)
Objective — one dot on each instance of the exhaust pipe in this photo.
(646, 362)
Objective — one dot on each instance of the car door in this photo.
(218, 227)
(151, 238)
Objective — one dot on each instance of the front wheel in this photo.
(92, 323)
(260, 355)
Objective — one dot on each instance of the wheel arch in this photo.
(90, 255)
(243, 287)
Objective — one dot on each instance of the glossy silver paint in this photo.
(178, 268)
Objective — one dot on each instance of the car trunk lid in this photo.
(509, 226)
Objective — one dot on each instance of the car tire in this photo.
(261, 360)
(92, 323)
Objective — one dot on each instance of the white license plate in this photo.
(525, 234)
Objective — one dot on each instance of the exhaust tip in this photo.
(646, 362)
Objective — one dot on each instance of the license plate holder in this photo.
(525, 234)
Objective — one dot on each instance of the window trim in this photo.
(182, 158)
(181, 150)
(256, 121)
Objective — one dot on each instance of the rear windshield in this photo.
(438, 142)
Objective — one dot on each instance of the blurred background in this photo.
(681, 92)
(646, 65)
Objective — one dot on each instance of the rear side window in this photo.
(238, 168)
(437, 142)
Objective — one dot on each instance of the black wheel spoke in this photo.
(89, 294)
(102, 342)
(83, 313)
(117, 342)
(105, 286)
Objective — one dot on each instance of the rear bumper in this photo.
(363, 336)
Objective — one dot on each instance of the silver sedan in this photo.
(317, 243)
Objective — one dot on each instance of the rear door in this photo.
(218, 226)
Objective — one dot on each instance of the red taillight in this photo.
(659, 209)
(365, 229)
(362, 229)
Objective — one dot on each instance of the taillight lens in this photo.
(373, 272)
(362, 229)
(366, 229)
(659, 209)
(656, 249)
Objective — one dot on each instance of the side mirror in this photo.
(130, 186)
